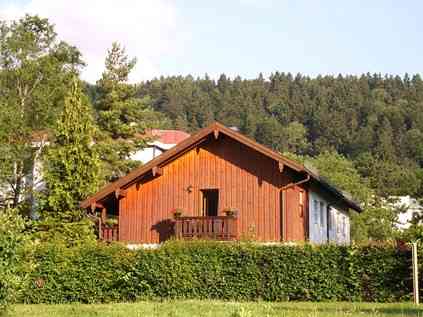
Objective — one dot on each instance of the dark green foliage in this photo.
(71, 163)
(371, 117)
(71, 172)
(230, 271)
(13, 240)
(35, 72)
(121, 116)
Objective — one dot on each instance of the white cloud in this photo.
(148, 29)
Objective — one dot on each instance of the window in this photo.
(322, 214)
(210, 202)
(338, 224)
(343, 226)
(316, 211)
(330, 220)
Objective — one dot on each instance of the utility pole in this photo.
(415, 274)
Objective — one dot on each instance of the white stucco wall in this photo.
(409, 206)
(153, 150)
(147, 154)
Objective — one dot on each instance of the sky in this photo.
(239, 37)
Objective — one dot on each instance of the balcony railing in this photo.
(215, 228)
(109, 233)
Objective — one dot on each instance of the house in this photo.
(162, 140)
(219, 184)
(409, 208)
(159, 141)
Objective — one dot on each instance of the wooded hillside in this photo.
(374, 120)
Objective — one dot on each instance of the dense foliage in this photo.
(375, 121)
(205, 270)
(70, 170)
(121, 116)
(13, 241)
(35, 72)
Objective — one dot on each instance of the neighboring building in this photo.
(227, 187)
(162, 140)
(409, 207)
(31, 179)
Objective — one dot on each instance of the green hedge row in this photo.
(233, 271)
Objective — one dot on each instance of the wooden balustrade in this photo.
(109, 233)
(216, 228)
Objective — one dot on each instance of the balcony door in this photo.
(210, 201)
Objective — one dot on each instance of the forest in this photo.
(373, 120)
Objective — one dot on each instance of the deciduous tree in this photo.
(35, 67)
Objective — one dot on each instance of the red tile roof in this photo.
(169, 136)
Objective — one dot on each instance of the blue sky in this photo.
(242, 37)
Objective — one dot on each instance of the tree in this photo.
(389, 178)
(71, 169)
(122, 117)
(35, 68)
(353, 115)
(294, 138)
(378, 220)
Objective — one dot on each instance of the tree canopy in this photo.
(35, 72)
(122, 116)
(373, 120)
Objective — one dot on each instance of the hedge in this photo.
(210, 270)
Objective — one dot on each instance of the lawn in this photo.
(218, 308)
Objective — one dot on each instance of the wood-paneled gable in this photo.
(246, 179)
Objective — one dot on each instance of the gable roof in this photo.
(198, 138)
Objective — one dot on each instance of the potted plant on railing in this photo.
(231, 212)
(111, 222)
(178, 212)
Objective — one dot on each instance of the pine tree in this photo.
(122, 116)
(71, 170)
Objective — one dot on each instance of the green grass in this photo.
(219, 308)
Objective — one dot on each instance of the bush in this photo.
(12, 244)
(211, 270)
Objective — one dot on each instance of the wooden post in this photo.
(415, 274)
(100, 236)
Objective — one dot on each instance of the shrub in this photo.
(12, 244)
(212, 270)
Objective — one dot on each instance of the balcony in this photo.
(108, 233)
(213, 228)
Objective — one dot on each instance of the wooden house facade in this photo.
(219, 184)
